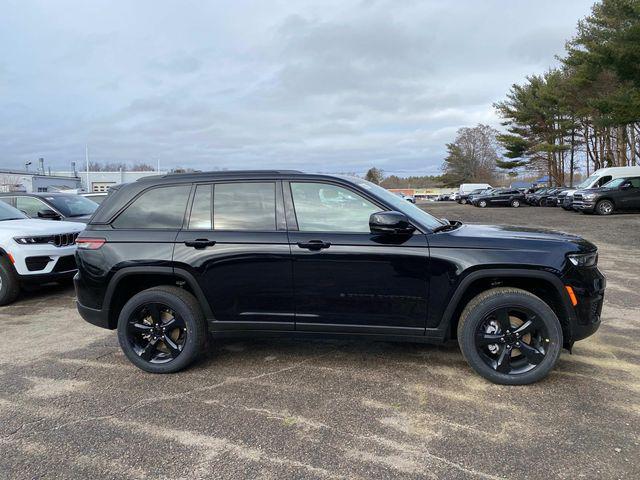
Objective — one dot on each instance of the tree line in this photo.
(578, 117)
(585, 111)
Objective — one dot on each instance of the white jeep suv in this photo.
(33, 251)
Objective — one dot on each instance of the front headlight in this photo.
(588, 196)
(584, 259)
(34, 240)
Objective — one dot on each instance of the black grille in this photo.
(577, 196)
(596, 310)
(64, 239)
(66, 263)
(37, 263)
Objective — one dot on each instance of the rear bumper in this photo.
(99, 318)
(95, 316)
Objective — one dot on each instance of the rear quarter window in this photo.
(160, 208)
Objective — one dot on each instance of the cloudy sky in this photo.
(331, 86)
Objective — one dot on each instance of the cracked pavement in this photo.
(71, 405)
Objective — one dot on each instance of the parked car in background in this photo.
(564, 199)
(467, 188)
(598, 179)
(33, 252)
(500, 197)
(445, 197)
(468, 197)
(52, 206)
(550, 197)
(408, 198)
(162, 254)
(617, 195)
(97, 197)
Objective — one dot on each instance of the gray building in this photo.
(101, 181)
(25, 181)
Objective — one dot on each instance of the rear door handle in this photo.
(200, 243)
(314, 245)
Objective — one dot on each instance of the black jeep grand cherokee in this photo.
(170, 260)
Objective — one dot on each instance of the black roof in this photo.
(218, 174)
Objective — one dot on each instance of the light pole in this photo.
(26, 166)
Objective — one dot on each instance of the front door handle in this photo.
(314, 245)
(200, 243)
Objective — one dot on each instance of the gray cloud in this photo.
(321, 86)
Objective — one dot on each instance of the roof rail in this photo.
(219, 173)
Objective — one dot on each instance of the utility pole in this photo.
(86, 155)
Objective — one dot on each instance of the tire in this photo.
(605, 207)
(9, 281)
(515, 203)
(482, 203)
(170, 301)
(463, 201)
(546, 340)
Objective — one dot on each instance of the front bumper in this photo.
(588, 285)
(584, 205)
(42, 278)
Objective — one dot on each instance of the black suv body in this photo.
(617, 195)
(52, 206)
(282, 252)
(500, 197)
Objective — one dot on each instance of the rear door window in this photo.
(244, 206)
(31, 206)
(158, 208)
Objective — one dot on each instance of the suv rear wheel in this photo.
(604, 207)
(9, 283)
(162, 329)
(510, 336)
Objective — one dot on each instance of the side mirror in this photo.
(48, 214)
(625, 186)
(390, 223)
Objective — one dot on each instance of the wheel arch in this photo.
(543, 284)
(129, 281)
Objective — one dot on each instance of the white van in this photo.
(600, 177)
(467, 188)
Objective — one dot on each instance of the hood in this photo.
(510, 237)
(32, 226)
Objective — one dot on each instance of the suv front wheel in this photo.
(510, 336)
(162, 329)
(604, 207)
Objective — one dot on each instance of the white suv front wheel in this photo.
(9, 283)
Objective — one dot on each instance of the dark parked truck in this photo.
(172, 260)
(617, 195)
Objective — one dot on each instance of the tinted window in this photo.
(72, 205)
(201, 210)
(322, 207)
(244, 206)
(156, 208)
(604, 180)
(31, 206)
(635, 182)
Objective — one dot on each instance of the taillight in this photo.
(90, 243)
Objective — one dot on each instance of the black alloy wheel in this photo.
(510, 336)
(162, 329)
(156, 333)
(512, 340)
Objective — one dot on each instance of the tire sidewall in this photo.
(192, 344)
(476, 316)
(515, 203)
(9, 288)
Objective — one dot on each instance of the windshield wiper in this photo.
(448, 226)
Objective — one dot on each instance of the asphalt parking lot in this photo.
(72, 406)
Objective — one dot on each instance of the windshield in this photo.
(398, 203)
(588, 181)
(7, 212)
(72, 205)
(614, 183)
